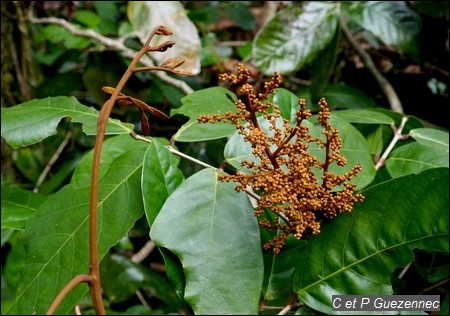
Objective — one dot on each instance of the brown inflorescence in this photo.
(283, 172)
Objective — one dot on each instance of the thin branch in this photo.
(196, 161)
(52, 161)
(403, 272)
(428, 289)
(286, 309)
(397, 136)
(142, 299)
(384, 84)
(143, 252)
(69, 287)
(113, 44)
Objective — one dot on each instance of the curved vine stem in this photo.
(93, 279)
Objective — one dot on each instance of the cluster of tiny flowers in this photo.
(283, 173)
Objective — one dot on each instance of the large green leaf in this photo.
(431, 137)
(294, 36)
(345, 97)
(144, 16)
(18, 205)
(414, 158)
(160, 177)
(358, 251)
(215, 100)
(364, 116)
(57, 236)
(393, 22)
(32, 121)
(211, 228)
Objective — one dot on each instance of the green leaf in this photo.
(211, 228)
(144, 16)
(121, 278)
(294, 36)
(322, 71)
(88, 18)
(430, 137)
(346, 97)
(32, 121)
(18, 205)
(414, 158)
(375, 140)
(364, 116)
(160, 177)
(393, 22)
(279, 268)
(287, 102)
(358, 251)
(57, 236)
(206, 101)
(240, 14)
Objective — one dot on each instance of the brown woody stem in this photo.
(105, 112)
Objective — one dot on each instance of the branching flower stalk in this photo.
(283, 171)
(93, 278)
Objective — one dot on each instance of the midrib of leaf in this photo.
(71, 236)
(210, 234)
(368, 257)
(433, 140)
(421, 162)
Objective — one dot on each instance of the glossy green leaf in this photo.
(18, 205)
(32, 121)
(414, 158)
(358, 251)
(145, 16)
(321, 72)
(393, 22)
(279, 268)
(431, 137)
(211, 228)
(345, 97)
(364, 116)
(206, 101)
(160, 177)
(375, 141)
(294, 36)
(121, 278)
(57, 236)
(287, 102)
(354, 148)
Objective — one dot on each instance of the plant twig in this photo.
(113, 44)
(428, 289)
(94, 270)
(143, 252)
(196, 161)
(52, 161)
(384, 84)
(397, 136)
(69, 287)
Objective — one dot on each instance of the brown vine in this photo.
(93, 278)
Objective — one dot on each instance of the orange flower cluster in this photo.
(283, 172)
